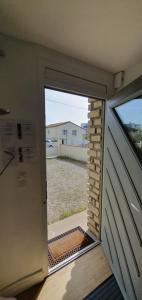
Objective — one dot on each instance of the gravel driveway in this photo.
(66, 188)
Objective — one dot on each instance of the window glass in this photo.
(130, 114)
(65, 132)
(74, 132)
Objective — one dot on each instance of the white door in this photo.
(122, 189)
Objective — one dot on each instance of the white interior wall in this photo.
(23, 210)
(22, 240)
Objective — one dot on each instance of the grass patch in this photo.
(69, 213)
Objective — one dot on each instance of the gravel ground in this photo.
(66, 187)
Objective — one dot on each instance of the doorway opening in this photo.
(67, 177)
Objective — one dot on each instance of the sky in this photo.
(62, 107)
(131, 111)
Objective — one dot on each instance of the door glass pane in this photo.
(130, 115)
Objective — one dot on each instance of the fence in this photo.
(74, 152)
(71, 151)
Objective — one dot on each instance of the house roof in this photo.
(56, 124)
(62, 123)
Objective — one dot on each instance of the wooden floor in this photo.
(74, 281)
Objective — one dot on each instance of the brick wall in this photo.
(95, 135)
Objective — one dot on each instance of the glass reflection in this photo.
(130, 115)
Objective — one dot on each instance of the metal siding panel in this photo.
(130, 193)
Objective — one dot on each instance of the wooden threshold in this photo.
(74, 281)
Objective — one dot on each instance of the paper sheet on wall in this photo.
(11, 143)
(8, 141)
(28, 141)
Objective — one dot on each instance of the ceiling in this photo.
(104, 33)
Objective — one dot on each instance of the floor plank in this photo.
(74, 281)
(57, 228)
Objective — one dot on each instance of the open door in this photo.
(122, 189)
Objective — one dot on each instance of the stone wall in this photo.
(95, 135)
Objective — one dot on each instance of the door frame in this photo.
(63, 82)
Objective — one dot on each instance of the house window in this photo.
(48, 131)
(65, 132)
(74, 132)
(130, 116)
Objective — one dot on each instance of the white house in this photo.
(67, 132)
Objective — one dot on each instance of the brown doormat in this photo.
(67, 244)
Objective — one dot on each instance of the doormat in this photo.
(109, 289)
(67, 244)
